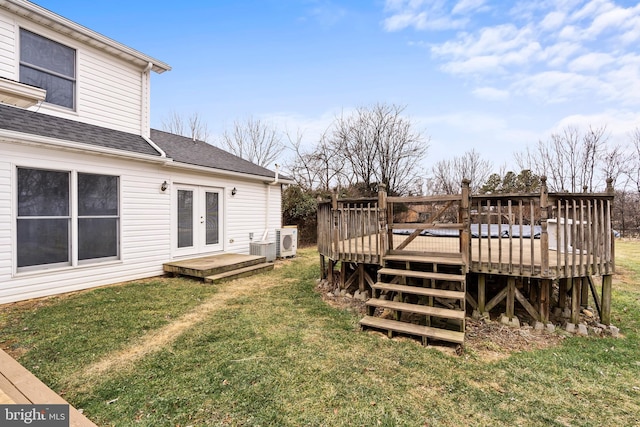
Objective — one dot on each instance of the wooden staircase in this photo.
(420, 296)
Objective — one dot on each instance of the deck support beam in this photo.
(605, 316)
(482, 297)
(544, 300)
(576, 293)
(511, 296)
(584, 299)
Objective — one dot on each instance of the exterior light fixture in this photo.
(234, 191)
(164, 186)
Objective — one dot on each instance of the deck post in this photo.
(323, 268)
(584, 298)
(383, 225)
(545, 297)
(544, 236)
(361, 273)
(482, 297)
(562, 293)
(465, 219)
(335, 238)
(330, 270)
(605, 316)
(511, 296)
(576, 292)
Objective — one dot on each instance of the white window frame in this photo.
(72, 79)
(73, 219)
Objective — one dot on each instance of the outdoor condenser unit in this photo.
(265, 249)
(286, 242)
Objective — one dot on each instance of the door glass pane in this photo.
(97, 238)
(185, 218)
(42, 241)
(43, 193)
(213, 237)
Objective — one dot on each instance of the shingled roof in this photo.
(199, 153)
(19, 120)
(178, 148)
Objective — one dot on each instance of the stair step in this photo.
(423, 274)
(425, 259)
(415, 290)
(416, 308)
(240, 272)
(410, 328)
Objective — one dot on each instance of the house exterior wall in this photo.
(244, 213)
(109, 91)
(144, 218)
(147, 219)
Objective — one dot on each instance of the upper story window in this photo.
(48, 65)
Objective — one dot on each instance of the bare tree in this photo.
(633, 170)
(377, 144)
(253, 140)
(569, 159)
(319, 168)
(447, 175)
(192, 127)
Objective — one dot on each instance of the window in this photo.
(50, 66)
(47, 227)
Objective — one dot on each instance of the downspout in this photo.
(144, 101)
(266, 216)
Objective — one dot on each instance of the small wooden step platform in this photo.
(240, 272)
(212, 265)
(422, 274)
(416, 290)
(412, 329)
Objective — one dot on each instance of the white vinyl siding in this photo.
(144, 221)
(7, 48)
(108, 90)
(147, 219)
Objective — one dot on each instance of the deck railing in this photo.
(349, 230)
(544, 235)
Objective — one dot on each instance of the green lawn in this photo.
(268, 350)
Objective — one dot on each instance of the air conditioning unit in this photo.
(286, 242)
(265, 249)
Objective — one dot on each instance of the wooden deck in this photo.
(19, 386)
(521, 257)
(219, 267)
(522, 243)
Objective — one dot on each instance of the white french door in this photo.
(199, 219)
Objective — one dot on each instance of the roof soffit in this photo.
(78, 32)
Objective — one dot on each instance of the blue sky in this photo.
(491, 75)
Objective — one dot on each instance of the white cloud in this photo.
(466, 6)
(619, 123)
(553, 21)
(590, 62)
(420, 15)
(404, 20)
(490, 93)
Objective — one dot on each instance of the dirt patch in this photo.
(158, 339)
(489, 340)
